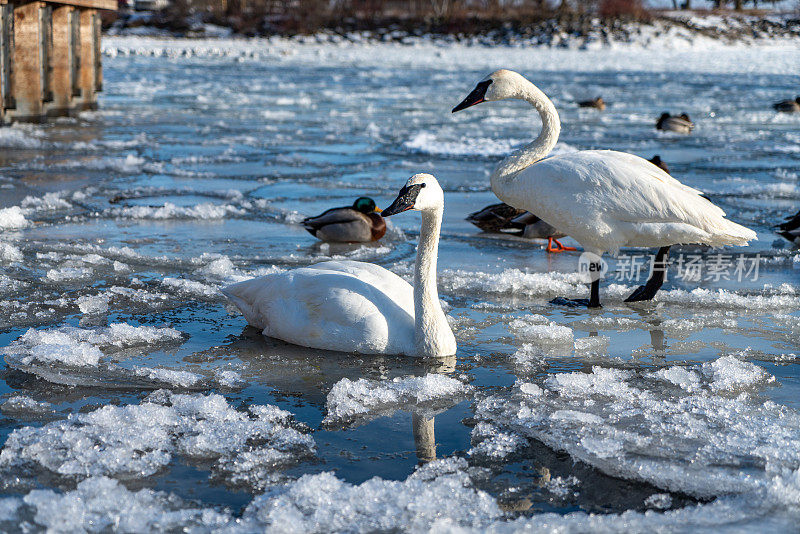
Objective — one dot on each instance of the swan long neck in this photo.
(429, 317)
(541, 146)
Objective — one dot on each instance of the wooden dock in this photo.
(50, 62)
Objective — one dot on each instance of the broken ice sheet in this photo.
(23, 407)
(438, 497)
(85, 356)
(135, 441)
(358, 401)
(490, 442)
(701, 430)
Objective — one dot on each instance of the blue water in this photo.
(297, 137)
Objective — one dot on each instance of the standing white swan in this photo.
(602, 198)
(353, 306)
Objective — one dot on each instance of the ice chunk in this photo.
(541, 334)
(20, 137)
(592, 344)
(729, 374)
(349, 400)
(512, 282)
(191, 287)
(57, 354)
(492, 443)
(429, 143)
(659, 501)
(25, 406)
(324, 503)
(174, 377)
(206, 210)
(12, 218)
(697, 323)
(138, 440)
(101, 504)
(90, 304)
(562, 487)
(680, 376)
(9, 253)
(69, 274)
(69, 339)
(639, 425)
(228, 378)
(50, 201)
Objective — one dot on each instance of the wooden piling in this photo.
(27, 88)
(6, 50)
(50, 57)
(88, 71)
(62, 60)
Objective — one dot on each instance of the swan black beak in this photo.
(477, 96)
(405, 200)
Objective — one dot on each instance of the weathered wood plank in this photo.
(110, 5)
(27, 62)
(62, 61)
(87, 73)
(6, 60)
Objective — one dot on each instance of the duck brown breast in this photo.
(378, 226)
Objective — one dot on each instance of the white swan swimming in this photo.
(353, 306)
(602, 198)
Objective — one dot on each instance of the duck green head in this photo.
(365, 205)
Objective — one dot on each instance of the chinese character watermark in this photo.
(686, 267)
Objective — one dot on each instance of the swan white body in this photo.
(606, 200)
(348, 306)
(352, 306)
(602, 198)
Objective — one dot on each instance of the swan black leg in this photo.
(651, 287)
(594, 298)
(592, 302)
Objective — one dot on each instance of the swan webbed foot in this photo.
(592, 302)
(575, 303)
(558, 248)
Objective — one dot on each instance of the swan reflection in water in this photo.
(310, 374)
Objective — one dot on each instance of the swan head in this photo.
(499, 85)
(422, 192)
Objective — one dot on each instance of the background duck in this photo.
(359, 223)
(791, 229)
(597, 103)
(502, 218)
(656, 160)
(787, 106)
(680, 123)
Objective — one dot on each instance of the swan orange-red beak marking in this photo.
(558, 248)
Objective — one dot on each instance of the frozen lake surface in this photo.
(134, 398)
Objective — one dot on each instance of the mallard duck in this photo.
(502, 218)
(597, 103)
(656, 160)
(787, 106)
(680, 123)
(359, 223)
(791, 229)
